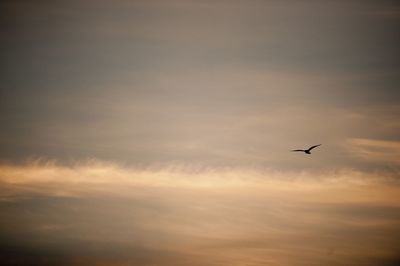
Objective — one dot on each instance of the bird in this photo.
(308, 151)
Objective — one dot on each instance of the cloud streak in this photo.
(376, 150)
(100, 212)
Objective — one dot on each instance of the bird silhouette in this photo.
(308, 151)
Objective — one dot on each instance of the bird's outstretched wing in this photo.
(297, 150)
(312, 147)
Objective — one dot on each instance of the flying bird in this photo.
(308, 151)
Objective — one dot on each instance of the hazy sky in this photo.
(200, 89)
(220, 83)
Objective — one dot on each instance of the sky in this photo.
(160, 132)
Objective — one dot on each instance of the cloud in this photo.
(376, 150)
(103, 213)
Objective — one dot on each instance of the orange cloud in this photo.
(102, 213)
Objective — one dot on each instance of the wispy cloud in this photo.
(376, 150)
(193, 216)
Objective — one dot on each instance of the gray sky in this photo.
(216, 83)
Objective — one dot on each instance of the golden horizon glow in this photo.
(214, 217)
